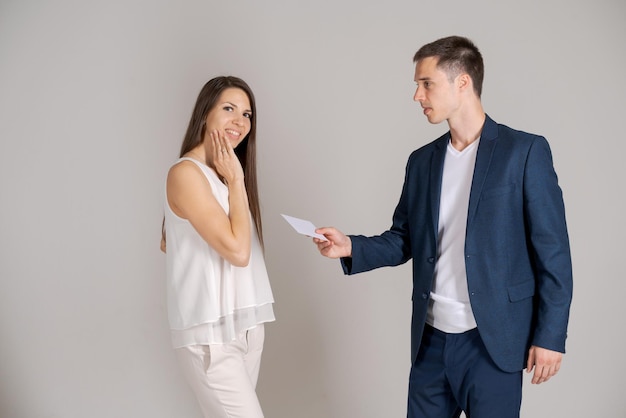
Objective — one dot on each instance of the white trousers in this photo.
(223, 376)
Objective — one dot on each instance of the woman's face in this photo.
(231, 116)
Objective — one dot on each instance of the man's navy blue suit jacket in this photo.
(517, 253)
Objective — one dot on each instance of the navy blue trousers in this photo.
(454, 373)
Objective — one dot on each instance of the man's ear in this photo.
(464, 81)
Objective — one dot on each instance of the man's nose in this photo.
(418, 96)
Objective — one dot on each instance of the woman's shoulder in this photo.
(185, 172)
(185, 167)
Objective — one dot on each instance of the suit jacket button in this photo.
(431, 260)
(424, 296)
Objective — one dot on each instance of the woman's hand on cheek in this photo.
(226, 162)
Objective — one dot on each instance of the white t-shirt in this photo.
(449, 308)
(209, 300)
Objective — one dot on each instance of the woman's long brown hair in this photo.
(245, 151)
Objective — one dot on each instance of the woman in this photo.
(218, 290)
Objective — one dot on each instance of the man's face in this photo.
(435, 92)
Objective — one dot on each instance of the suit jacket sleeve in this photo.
(391, 248)
(549, 248)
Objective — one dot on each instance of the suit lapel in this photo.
(484, 154)
(436, 173)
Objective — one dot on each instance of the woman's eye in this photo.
(228, 108)
(247, 115)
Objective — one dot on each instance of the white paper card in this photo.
(303, 227)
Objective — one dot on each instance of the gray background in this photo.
(94, 101)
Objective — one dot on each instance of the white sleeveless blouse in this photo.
(209, 300)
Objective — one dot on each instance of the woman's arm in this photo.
(190, 196)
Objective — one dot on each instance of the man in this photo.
(482, 216)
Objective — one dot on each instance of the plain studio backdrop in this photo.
(95, 98)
